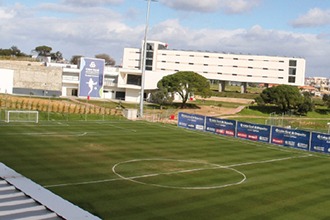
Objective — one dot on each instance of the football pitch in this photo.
(139, 170)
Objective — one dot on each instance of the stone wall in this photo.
(34, 75)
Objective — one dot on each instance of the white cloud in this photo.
(314, 17)
(81, 3)
(93, 30)
(4, 14)
(228, 6)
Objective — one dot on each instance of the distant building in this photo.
(321, 83)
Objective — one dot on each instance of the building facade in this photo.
(124, 83)
(222, 67)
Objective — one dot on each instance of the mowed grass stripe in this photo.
(288, 189)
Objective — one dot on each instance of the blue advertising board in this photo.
(220, 126)
(191, 121)
(91, 77)
(253, 132)
(291, 138)
(320, 142)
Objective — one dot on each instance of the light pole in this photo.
(328, 127)
(143, 66)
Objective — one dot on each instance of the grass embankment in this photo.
(59, 108)
(316, 120)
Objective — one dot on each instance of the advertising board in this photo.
(320, 142)
(291, 138)
(220, 126)
(191, 121)
(254, 132)
(91, 77)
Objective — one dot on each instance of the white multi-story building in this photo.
(223, 67)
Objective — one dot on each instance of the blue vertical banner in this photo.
(320, 142)
(220, 126)
(91, 77)
(191, 121)
(254, 132)
(291, 138)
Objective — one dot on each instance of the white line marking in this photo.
(56, 134)
(82, 183)
(216, 166)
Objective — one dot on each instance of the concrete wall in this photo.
(34, 76)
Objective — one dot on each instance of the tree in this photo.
(13, 51)
(43, 50)
(58, 56)
(75, 59)
(162, 96)
(285, 97)
(326, 100)
(109, 61)
(185, 83)
(307, 104)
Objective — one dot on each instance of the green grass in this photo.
(188, 182)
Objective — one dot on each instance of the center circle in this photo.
(178, 174)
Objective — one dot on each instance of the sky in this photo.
(291, 28)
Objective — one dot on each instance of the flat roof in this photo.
(21, 198)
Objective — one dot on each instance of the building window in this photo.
(191, 55)
(281, 61)
(281, 70)
(249, 75)
(293, 63)
(250, 60)
(265, 68)
(120, 95)
(177, 62)
(149, 62)
(235, 58)
(292, 79)
(250, 67)
(191, 63)
(206, 64)
(150, 46)
(220, 57)
(292, 71)
(234, 74)
(150, 54)
(219, 73)
(235, 66)
(134, 80)
(280, 77)
(206, 57)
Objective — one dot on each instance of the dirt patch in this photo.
(226, 99)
